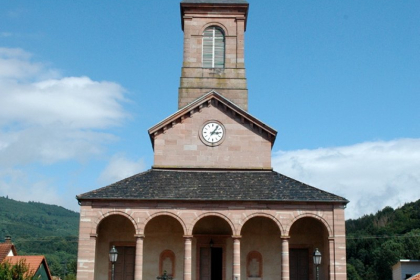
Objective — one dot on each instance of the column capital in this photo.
(331, 238)
(139, 236)
(236, 236)
(188, 236)
(93, 235)
(285, 237)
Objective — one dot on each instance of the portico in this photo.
(247, 244)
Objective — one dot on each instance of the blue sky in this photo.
(81, 82)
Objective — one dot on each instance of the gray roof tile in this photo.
(156, 184)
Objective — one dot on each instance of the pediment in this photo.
(215, 99)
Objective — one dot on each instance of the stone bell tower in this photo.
(213, 50)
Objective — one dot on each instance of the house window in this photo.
(213, 48)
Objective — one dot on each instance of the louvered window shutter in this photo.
(213, 48)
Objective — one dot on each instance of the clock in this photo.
(212, 132)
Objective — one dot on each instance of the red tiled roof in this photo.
(34, 262)
(415, 277)
(5, 248)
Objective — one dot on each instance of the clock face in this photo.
(213, 132)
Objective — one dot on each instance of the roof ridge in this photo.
(213, 170)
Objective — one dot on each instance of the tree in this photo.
(386, 256)
(18, 271)
(376, 242)
(412, 244)
(358, 269)
(72, 267)
(352, 273)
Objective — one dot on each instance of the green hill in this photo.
(376, 242)
(42, 229)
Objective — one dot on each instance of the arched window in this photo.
(213, 47)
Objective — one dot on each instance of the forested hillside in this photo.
(376, 242)
(42, 229)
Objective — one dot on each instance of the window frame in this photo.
(213, 47)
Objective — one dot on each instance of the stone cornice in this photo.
(239, 10)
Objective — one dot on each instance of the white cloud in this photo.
(119, 167)
(15, 64)
(371, 175)
(73, 102)
(33, 94)
(46, 118)
(50, 144)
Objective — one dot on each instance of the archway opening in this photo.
(213, 243)
(115, 230)
(307, 234)
(260, 249)
(163, 248)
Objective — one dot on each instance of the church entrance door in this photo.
(211, 263)
(124, 267)
(299, 264)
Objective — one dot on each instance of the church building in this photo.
(211, 207)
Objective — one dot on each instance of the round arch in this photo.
(310, 215)
(164, 213)
(263, 215)
(218, 24)
(113, 228)
(208, 214)
(111, 213)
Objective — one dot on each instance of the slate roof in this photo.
(159, 184)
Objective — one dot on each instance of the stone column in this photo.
(86, 256)
(332, 258)
(236, 257)
(188, 257)
(285, 273)
(138, 264)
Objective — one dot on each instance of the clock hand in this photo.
(214, 131)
